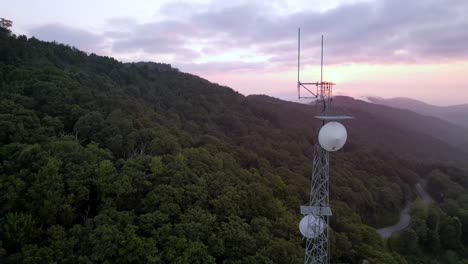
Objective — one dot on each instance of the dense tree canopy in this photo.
(106, 162)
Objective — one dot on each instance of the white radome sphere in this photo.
(332, 136)
(311, 226)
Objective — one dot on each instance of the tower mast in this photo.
(314, 226)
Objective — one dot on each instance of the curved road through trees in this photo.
(405, 217)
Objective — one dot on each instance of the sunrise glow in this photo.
(252, 47)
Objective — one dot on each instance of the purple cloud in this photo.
(385, 31)
(82, 39)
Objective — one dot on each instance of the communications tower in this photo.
(314, 226)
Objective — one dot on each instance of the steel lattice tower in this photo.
(317, 248)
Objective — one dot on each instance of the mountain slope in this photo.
(103, 161)
(405, 133)
(455, 114)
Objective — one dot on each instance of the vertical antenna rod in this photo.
(321, 63)
(322, 90)
(298, 62)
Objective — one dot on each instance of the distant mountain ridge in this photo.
(456, 114)
(406, 133)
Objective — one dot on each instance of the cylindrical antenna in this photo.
(298, 62)
(321, 63)
(322, 88)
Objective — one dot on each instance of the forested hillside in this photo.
(455, 114)
(403, 132)
(103, 161)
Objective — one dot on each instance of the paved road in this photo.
(404, 222)
(424, 195)
(405, 217)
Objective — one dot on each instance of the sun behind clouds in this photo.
(333, 76)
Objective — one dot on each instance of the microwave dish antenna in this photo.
(332, 136)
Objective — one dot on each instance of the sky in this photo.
(385, 48)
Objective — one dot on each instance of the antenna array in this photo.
(315, 224)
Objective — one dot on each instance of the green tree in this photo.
(450, 232)
(408, 241)
(5, 26)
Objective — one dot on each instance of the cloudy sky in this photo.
(384, 48)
